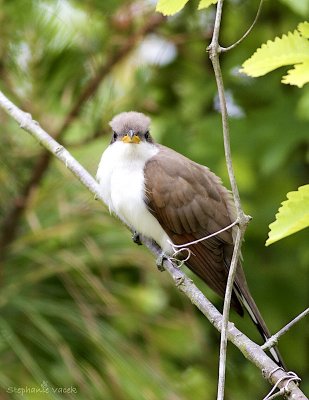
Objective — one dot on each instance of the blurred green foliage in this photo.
(82, 307)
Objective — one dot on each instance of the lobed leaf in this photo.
(290, 49)
(298, 76)
(303, 28)
(293, 215)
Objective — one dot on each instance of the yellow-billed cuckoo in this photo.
(164, 196)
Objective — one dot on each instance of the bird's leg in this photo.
(136, 239)
(160, 261)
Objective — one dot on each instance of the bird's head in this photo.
(130, 127)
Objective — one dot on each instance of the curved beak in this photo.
(131, 133)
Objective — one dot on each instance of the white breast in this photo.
(121, 178)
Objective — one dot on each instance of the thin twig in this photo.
(224, 49)
(273, 340)
(249, 349)
(214, 52)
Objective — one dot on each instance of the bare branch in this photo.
(272, 341)
(214, 52)
(249, 349)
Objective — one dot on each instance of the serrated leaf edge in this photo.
(290, 196)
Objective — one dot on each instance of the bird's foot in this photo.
(136, 239)
(160, 260)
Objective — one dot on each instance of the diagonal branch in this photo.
(249, 349)
(11, 220)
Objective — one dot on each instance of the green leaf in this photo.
(290, 49)
(206, 3)
(170, 7)
(298, 76)
(293, 215)
(303, 28)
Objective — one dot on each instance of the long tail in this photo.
(247, 301)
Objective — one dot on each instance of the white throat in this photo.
(121, 178)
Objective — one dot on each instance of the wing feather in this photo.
(190, 202)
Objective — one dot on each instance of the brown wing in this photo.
(190, 202)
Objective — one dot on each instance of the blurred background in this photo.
(84, 312)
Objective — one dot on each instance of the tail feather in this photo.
(254, 313)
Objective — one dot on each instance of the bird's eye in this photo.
(147, 135)
(115, 136)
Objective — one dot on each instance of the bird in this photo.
(163, 195)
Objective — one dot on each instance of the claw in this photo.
(160, 261)
(136, 239)
(180, 281)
